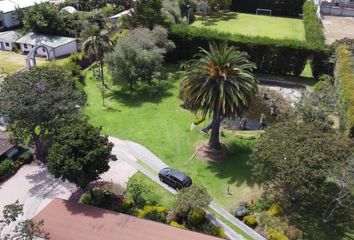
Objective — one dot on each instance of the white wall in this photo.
(66, 49)
(40, 51)
(4, 47)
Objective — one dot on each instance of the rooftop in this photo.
(5, 144)
(64, 220)
(9, 36)
(11, 5)
(48, 40)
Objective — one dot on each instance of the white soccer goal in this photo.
(262, 11)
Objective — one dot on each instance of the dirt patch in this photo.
(211, 155)
(336, 28)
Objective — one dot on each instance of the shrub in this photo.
(86, 199)
(149, 208)
(275, 56)
(260, 206)
(266, 222)
(172, 216)
(294, 233)
(176, 224)
(219, 232)
(275, 235)
(196, 216)
(250, 221)
(26, 157)
(242, 210)
(275, 210)
(126, 204)
(344, 75)
(8, 167)
(313, 27)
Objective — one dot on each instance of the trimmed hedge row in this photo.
(313, 26)
(291, 8)
(275, 56)
(344, 75)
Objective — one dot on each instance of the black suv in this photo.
(174, 178)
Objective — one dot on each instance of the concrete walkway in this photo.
(34, 187)
(132, 153)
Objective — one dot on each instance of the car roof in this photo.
(177, 174)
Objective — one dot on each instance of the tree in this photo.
(37, 102)
(47, 18)
(147, 13)
(97, 46)
(218, 82)
(80, 154)
(24, 230)
(191, 198)
(297, 158)
(137, 55)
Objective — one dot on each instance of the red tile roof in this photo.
(5, 144)
(64, 220)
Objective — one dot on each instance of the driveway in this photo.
(34, 187)
(133, 153)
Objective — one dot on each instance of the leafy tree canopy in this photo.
(298, 157)
(79, 154)
(191, 198)
(38, 101)
(138, 55)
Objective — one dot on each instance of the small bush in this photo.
(266, 222)
(294, 233)
(8, 167)
(196, 216)
(176, 224)
(149, 208)
(250, 221)
(242, 210)
(219, 232)
(275, 235)
(126, 204)
(86, 199)
(260, 206)
(275, 210)
(26, 157)
(172, 216)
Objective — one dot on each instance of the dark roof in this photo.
(5, 144)
(64, 220)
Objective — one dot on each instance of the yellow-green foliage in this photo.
(275, 235)
(219, 232)
(127, 203)
(275, 210)
(118, 35)
(149, 208)
(176, 224)
(344, 75)
(196, 216)
(198, 120)
(250, 221)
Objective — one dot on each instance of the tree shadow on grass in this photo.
(234, 167)
(154, 92)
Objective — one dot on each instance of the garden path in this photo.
(132, 153)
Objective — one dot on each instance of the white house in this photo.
(7, 40)
(56, 45)
(8, 11)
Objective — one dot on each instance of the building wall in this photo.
(337, 11)
(66, 49)
(4, 47)
(9, 19)
(40, 51)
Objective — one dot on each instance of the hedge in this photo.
(274, 56)
(313, 26)
(291, 8)
(344, 82)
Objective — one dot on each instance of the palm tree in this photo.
(218, 82)
(97, 46)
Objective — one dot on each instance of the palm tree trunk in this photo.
(214, 141)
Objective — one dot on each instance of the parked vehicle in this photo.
(174, 178)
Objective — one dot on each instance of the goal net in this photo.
(262, 11)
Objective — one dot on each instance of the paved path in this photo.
(34, 187)
(132, 152)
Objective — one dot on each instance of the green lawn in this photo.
(155, 119)
(255, 25)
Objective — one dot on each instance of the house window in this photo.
(25, 46)
(7, 44)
